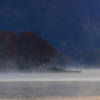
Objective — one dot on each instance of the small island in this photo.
(55, 70)
(44, 69)
(29, 52)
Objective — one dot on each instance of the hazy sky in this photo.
(70, 26)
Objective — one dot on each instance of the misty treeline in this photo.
(24, 51)
(87, 59)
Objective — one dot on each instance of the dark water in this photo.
(41, 89)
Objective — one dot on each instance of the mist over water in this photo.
(86, 75)
(27, 85)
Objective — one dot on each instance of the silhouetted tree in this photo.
(7, 44)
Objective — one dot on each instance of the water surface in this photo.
(48, 89)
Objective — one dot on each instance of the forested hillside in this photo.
(87, 59)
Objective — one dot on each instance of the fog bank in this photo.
(86, 75)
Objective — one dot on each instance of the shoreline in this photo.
(54, 98)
